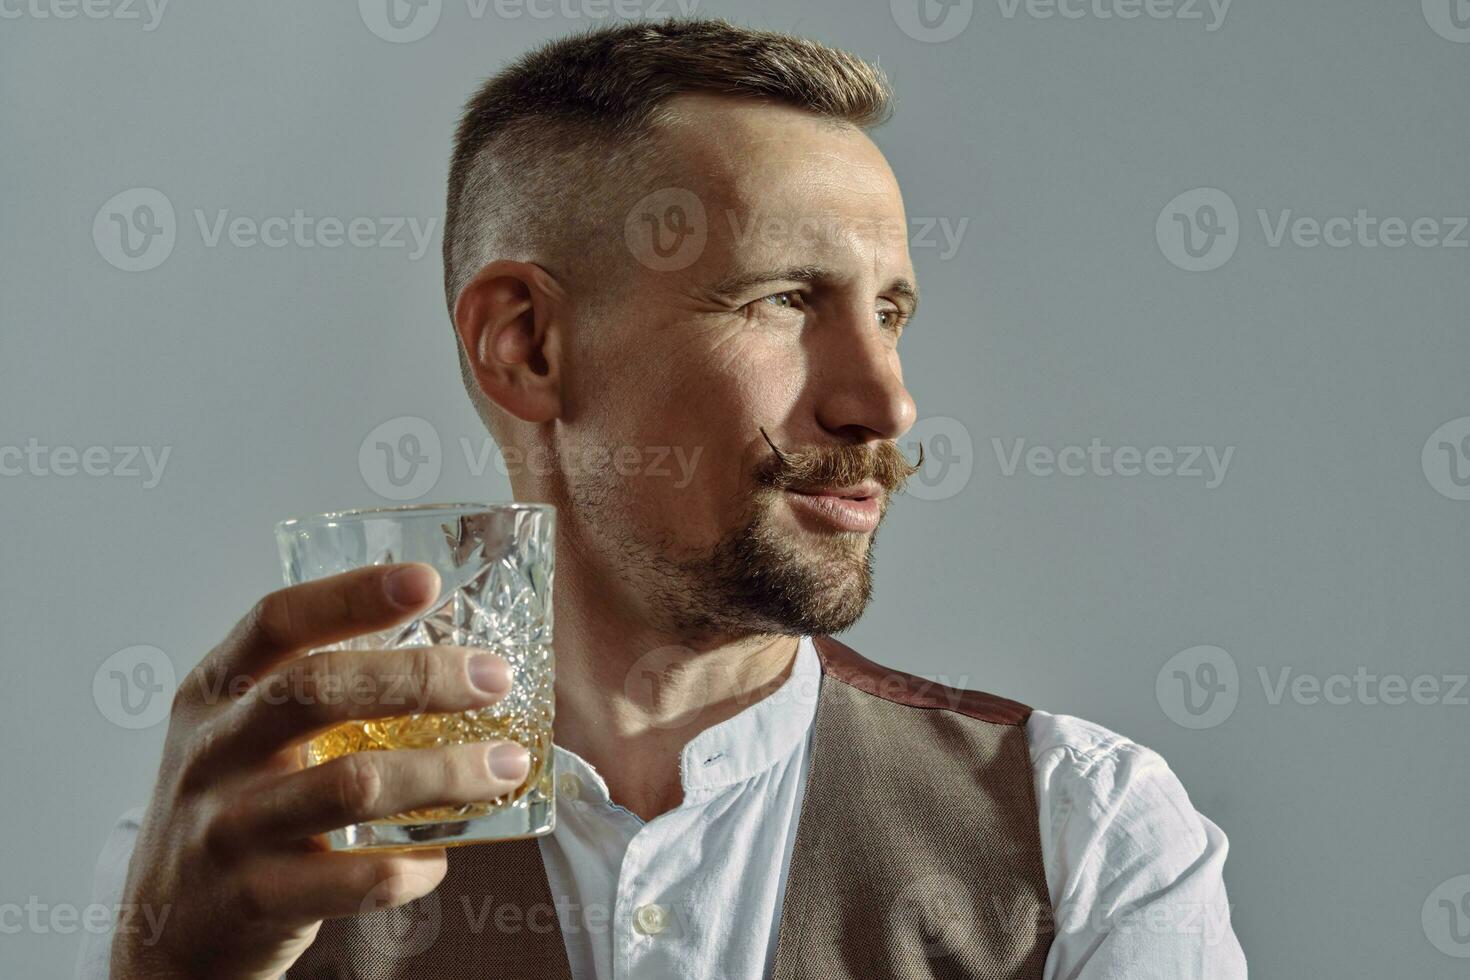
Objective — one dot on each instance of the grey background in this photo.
(1059, 319)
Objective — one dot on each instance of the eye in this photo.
(787, 300)
(896, 320)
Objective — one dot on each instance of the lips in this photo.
(859, 491)
(854, 508)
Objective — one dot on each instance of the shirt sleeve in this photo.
(1133, 870)
(108, 879)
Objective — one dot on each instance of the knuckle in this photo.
(201, 686)
(198, 766)
(184, 696)
(253, 900)
(303, 686)
(308, 685)
(270, 619)
(469, 773)
(217, 835)
(424, 672)
(397, 882)
(359, 601)
(359, 785)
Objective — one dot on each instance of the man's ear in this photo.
(510, 319)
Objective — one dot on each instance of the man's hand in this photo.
(228, 850)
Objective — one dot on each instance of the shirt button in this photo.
(651, 918)
(569, 786)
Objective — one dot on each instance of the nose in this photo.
(861, 396)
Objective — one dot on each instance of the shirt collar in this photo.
(743, 745)
(759, 736)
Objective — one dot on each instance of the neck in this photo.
(630, 695)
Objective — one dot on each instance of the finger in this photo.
(309, 695)
(372, 785)
(298, 888)
(314, 614)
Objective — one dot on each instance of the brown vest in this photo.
(917, 854)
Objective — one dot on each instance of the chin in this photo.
(770, 575)
(797, 585)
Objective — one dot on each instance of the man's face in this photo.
(787, 320)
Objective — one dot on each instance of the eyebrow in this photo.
(737, 284)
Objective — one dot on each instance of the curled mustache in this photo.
(840, 466)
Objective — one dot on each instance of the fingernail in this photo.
(509, 760)
(412, 585)
(489, 673)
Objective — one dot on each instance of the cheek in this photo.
(748, 378)
(687, 425)
(721, 405)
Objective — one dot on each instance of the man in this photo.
(674, 235)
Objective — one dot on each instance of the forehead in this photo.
(772, 176)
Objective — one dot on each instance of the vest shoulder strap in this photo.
(853, 669)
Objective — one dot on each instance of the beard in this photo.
(761, 577)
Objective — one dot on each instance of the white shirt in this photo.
(1134, 873)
